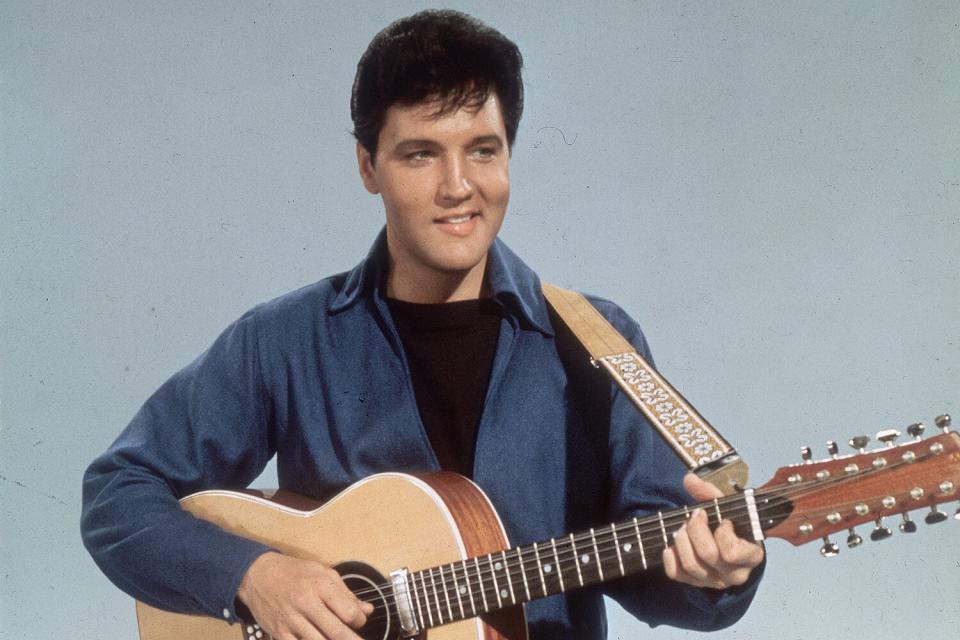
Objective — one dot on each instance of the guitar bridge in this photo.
(404, 603)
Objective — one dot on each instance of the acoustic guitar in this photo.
(430, 552)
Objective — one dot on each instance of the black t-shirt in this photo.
(450, 349)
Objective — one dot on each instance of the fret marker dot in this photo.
(463, 590)
(498, 566)
(504, 593)
(628, 547)
(547, 568)
(585, 559)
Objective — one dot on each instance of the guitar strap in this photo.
(692, 438)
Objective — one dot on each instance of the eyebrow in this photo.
(417, 143)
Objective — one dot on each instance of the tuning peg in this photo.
(859, 443)
(915, 430)
(880, 532)
(908, 525)
(806, 454)
(943, 422)
(935, 516)
(829, 548)
(832, 449)
(854, 539)
(888, 436)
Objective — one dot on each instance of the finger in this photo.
(345, 605)
(330, 590)
(690, 564)
(700, 489)
(703, 542)
(300, 628)
(330, 626)
(736, 551)
(671, 565)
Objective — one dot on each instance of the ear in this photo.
(368, 172)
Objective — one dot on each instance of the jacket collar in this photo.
(515, 286)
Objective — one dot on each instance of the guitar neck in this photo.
(482, 584)
(802, 503)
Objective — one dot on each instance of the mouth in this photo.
(457, 219)
(460, 225)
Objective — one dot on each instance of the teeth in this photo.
(458, 220)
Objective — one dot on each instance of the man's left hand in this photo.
(703, 558)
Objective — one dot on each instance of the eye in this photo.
(484, 153)
(419, 155)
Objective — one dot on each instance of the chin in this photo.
(459, 259)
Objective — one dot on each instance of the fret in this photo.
(483, 591)
(493, 574)
(716, 505)
(556, 558)
(596, 554)
(663, 528)
(506, 570)
(576, 559)
(446, 594)
(643, 555)
(536, 554)
(436, 598)
(523, 574)
(686, 512)
(456, 588)
(616, 545)
(466, 578)
(416, 597)
(426, 597)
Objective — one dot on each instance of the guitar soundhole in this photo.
(372, 587)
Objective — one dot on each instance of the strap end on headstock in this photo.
(728, 473)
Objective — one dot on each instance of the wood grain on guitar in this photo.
(461, 582)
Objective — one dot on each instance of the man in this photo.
(438, 351)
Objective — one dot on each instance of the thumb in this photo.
(700, 489)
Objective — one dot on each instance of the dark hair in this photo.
(446, 55)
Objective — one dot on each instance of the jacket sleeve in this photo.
(646, 477)
(204, 428)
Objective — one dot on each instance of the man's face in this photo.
(445, 183)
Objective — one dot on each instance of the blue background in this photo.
(772, 189)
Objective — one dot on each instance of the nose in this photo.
(455, 183)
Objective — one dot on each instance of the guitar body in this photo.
(383, 523)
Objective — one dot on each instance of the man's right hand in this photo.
(294, 599)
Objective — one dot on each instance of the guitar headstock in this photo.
(811, 500)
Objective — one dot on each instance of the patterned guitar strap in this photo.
(698, 444)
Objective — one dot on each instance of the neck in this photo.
(435, 287)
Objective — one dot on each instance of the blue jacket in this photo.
(318, 377)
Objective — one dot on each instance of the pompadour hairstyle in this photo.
(443, 55)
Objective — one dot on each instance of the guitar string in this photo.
(603, 557)
(485, 581)
(486, 577)
(458, 609)
(673, 517)
(671, 521)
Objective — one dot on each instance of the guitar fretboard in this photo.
(481, 584)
